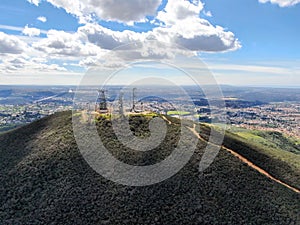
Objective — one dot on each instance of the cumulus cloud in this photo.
(198, 35)
(281, 3)
(178, 24)
(213, 39)
(177, 10)
(108, 39)
(179, 21)
(61, 43)
(31, 31)
(11, 44)
(115, 10)
(183, 26)
(42, 19)
(22, 63)
(127, 11)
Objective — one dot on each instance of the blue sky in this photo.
(249, 42)
(267, 32)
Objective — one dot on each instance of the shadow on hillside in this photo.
(19, 139)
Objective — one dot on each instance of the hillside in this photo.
(272, 151)
(45, 180)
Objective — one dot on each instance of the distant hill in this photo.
(263, 94)
(5, 93)
(45, 180)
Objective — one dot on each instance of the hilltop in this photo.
(45, 180)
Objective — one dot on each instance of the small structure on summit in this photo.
(133, 100)
(121, 104)
(101, 104)
(135, 108)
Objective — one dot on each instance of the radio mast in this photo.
(101, 104)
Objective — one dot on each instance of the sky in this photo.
(248, 43)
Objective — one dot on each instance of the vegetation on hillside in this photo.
(272, 151)
(44, 179)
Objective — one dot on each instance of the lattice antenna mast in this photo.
(101, 100)
(121, 105)
(133, 99)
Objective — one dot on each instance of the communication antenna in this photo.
(101, 104)
(133, 99)
(142, 106)
(121, 105)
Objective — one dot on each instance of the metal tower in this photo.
(101, 104)
(121, 105)
(133, 99)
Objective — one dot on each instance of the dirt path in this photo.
(166, 119)
(260, 170)
(242, 158)
(249, 163)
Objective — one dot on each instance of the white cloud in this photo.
(281, 3)
(61, 43)
(208, 13)
(177, 10)
(196, 35)
(14, 28)
(214, 39)
(42, 19)
(10, 44)
(115, 10)
(251, 68)
(31, 31)
(184, 27)
(35, 2)
(23, 64)
(179, 24)
(125, 11)
(108, 39)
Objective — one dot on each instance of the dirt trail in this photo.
(249, 163)
(260, 170)
(166, 119)
(242, 158)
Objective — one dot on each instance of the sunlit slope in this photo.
(272, 151)
(44, 180)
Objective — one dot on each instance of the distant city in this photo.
(254, 108)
